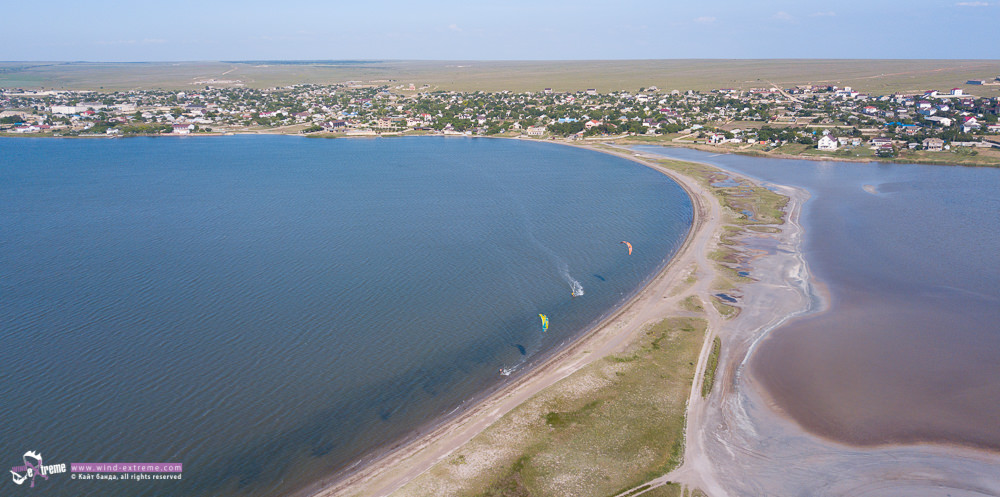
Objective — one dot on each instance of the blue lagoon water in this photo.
(268, 310)
(909, 348)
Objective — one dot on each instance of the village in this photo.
(818, 120)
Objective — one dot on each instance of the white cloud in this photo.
(828, 13)
(705, 19)
(454, 27)
(783, 16)
(973, 4)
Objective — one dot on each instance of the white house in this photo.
(66, 109)
(827, 143)
(183, 129)
(875, 143)
(935, 144)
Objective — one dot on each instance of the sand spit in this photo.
(738, 444)
(392, 470)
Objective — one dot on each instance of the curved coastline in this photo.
(743, 416)
(441, 436)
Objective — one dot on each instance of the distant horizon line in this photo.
(383, 60)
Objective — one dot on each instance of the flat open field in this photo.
(873, 76)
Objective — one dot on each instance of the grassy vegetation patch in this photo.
(563, 419)
(764, 229)
(728, 255)
(749, 204)
(511, 484)
(732, 275)
(605, 429)
(727, 311)
(693, 304)
(710, 367)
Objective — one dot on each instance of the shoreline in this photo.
(416, 454)
(626, 141)
(629, 141)
(742, 415)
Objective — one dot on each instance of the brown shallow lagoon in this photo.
(905, 344)
(876, 370)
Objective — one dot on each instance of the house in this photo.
(885, 150)
(591, 123)
(957, 92)
(591, 91)
(967, 128)
(933, 144)
(969, 123)
(716, 138)
(536, 130)
(993, 128)
(943, 121)
(66, 109)
(876, 143)
(827, 142)
(183, 129)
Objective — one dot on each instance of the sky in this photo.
(184, 30)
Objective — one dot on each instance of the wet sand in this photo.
(740, 442)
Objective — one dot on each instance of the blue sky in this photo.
(498, 30)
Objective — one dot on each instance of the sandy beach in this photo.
(395, 468)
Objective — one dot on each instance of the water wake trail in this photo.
(575, 287)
